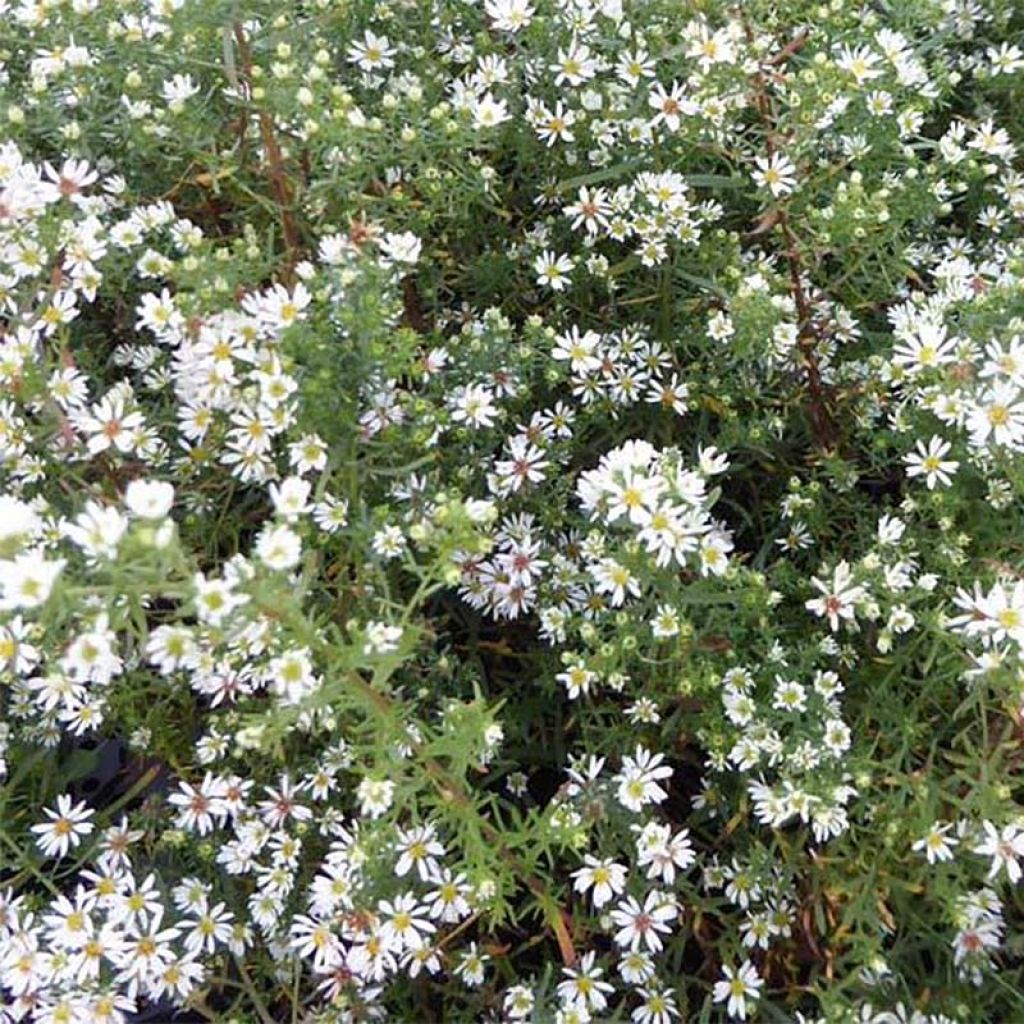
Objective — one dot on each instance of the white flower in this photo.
(200, 807)
(406, 925)
(65, 828)
(418, 847)
(712, 461)
(1003, 610)
(644, 925)
(776, 173)
(606, 878)
(149, 499)
(720, 326)
(177, 90)
(590, 211)
(615, 579)
(577, 679)
(836, 736)
(17, 520)
(574, 66)
(381, 638)
(389, 542)
(861, 63)
(789, 695)
(470, 968)
(553, 270)
(1005, 848)
(583, 988)
(838, 597)
(308, 453)
(738, 986)
(580, 350)
(999, 414)
(936, 844)
(279, 547)
(489, 112)
(26, 581)
(97, 530)
(375, 796)
(480, 510)
(658, 1006)
(636, 495)
(714, 553)
(92, 655)
(401, 247)
(473, 405)
(554, 126)
(662, 853)
(109, 424)
(712, 48)
(671, 104)
(171, 647)
(665, 622)
(1005, 59)
(210, 928)
(291, 497)
(313, 940)
(448, 899)
(292, 676)
(373, 53)
(331, 514)
(509, 15)
(215, 599)
(518, 1002)
(995, 617)
(927, 348)
(638, 781)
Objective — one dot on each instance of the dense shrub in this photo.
(511, 510)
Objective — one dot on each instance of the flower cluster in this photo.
(511, 511)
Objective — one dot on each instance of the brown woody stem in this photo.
(822, 425)
(275, 163)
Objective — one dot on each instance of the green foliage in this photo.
(511, 510)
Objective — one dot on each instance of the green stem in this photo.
(28, 865)
(250, 990)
